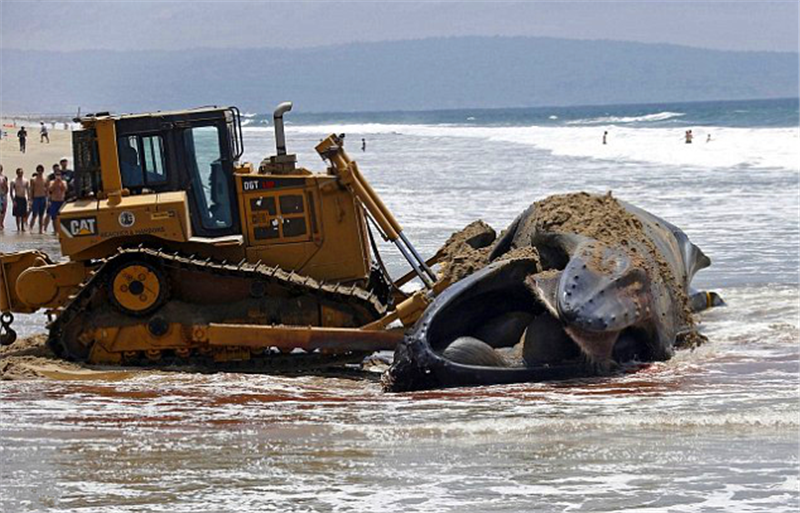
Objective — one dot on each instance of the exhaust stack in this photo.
(280, 138)
(281, 163)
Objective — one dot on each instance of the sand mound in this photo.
(30, 346)
(466, 251)
(27, 356)
(30, 358)
(598, 217)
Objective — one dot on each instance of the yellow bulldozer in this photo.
(174, 251)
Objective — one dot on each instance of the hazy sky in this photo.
(145, 24)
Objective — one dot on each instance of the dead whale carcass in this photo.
(611, 284)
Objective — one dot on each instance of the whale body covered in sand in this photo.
(577, 285)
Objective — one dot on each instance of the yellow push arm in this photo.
(332, 149)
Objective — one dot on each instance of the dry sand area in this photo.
(37, 153)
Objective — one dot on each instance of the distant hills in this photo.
(464, 72)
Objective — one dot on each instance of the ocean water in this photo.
(714, 429)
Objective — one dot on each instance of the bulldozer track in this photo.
(361, 303)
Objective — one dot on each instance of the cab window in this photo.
(129, 163)
(208, 181)
(141, 161)
(153, 160)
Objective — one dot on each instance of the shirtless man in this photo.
(19, 195)
(3, 198)
(57, 190)
(50, 178)
(38, 197)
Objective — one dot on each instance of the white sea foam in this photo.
(529, 425)
(728, 147)
(659, 116)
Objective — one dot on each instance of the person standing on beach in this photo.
(605, 135)
(57, 191)
(43, 134)
(52, 175)
(3, 198)
(68, 175)
(688, 137)
(19, 195)
(363, 144)
(50, 178)
(22, 135)
(38, 189)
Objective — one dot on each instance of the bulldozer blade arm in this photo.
(307, 338)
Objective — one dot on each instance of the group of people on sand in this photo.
(36, 199)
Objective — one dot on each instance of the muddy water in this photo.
(715, 429)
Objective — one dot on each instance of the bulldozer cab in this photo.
(193, 151)
(173, 180)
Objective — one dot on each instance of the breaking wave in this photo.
(774, 148)
(659, 116)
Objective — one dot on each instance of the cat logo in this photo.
(79, 226)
